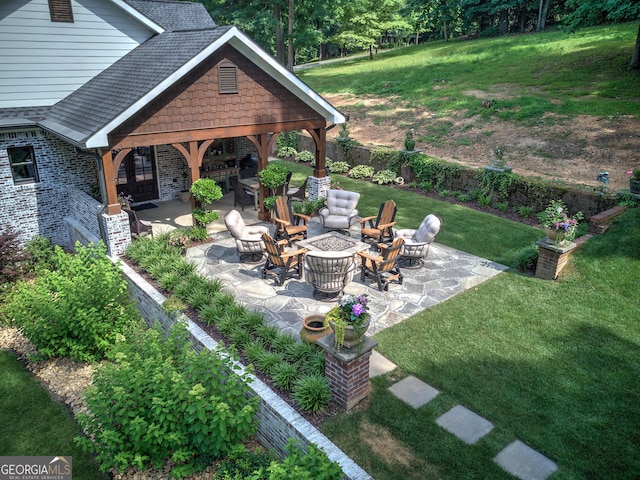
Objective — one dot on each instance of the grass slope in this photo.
(581, 73)
(35, 425)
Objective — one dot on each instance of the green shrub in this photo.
(41, 253)
(197, 233)
(159, 400)
(484, 200)
(308, 207)
(13, 258)
(426, 186)
(267, 361)
(78, 310)
(284, 375)
(204, 217)
(288, 139)
(524, 211)
(273, 175)
(339, 167)
(314, 365)
(626, 199)
(312, 393)
(286, 152)
(383, 177)
(241, 464)
(206, 190)
(502, 206)
(297, 465)
(305, 156)
(361, 171)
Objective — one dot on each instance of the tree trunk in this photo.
(543, 10)
(290, 56)
(444, 23)
(635, 57)
(279, 35)
(417, 37)
(370, 51)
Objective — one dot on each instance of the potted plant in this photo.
(498, 162)
(273, 176)
(634, 180)
(205, 191)
(349, 320)
(409, 141)
(558, 225)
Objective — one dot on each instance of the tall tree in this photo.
(594, 12)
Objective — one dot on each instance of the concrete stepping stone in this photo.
(464, 424)
(524, 462)
(414, 391)
(379, 365)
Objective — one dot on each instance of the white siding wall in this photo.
(42, 62)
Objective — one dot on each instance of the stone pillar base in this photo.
(552, 258)
(318, 187)
(347, 370)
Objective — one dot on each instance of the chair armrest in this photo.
(373, 258)
(306, 218)
(366, 219)
(284, 222)
(300, 251)
(386, 225)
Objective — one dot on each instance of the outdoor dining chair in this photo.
(298, 193)
(384, 267)
(281, 263)
(240, 194)
(379, 228)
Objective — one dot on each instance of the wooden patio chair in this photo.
(138, 227)
(383, 267)
(379, 228)
(241, 195)
(281, 264)
(298, 193)
(288, 223)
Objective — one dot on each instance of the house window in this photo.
(23, 164)
(60, 11)
(227, 78)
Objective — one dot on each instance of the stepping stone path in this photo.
(518, 459)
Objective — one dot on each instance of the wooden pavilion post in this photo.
(113, 205)
(263, 143)
(319, 136)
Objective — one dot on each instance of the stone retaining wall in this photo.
(532, 193)
(277, 420)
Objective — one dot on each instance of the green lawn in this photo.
(552, 363)
(33, 424)
(589, 74)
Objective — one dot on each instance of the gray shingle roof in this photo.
(174, 15)
(99, 101)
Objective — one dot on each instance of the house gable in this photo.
(196, 104)
(43, 61)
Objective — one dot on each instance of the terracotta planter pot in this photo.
(313, 328)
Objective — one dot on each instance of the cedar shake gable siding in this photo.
(194, 103)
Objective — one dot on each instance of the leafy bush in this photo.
(41, 253)
(159, 400)
(524, 211)
(77, 310)
(339, 167)
(206, 190)
(305, 156)
(286, 152)
(312, 393)
(383, 177)
(626, 199)
(502, 206)
(241, 465)
(13, 259)
(308, 207)
(297, 465)
(273, 175)
(197, 233)
(284, 376)
(204, 217)
(361, 171)
(288, 139)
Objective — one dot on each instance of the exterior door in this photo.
(137, 175)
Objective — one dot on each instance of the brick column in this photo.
(318, 187)
(347, 370)
(552, 259)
